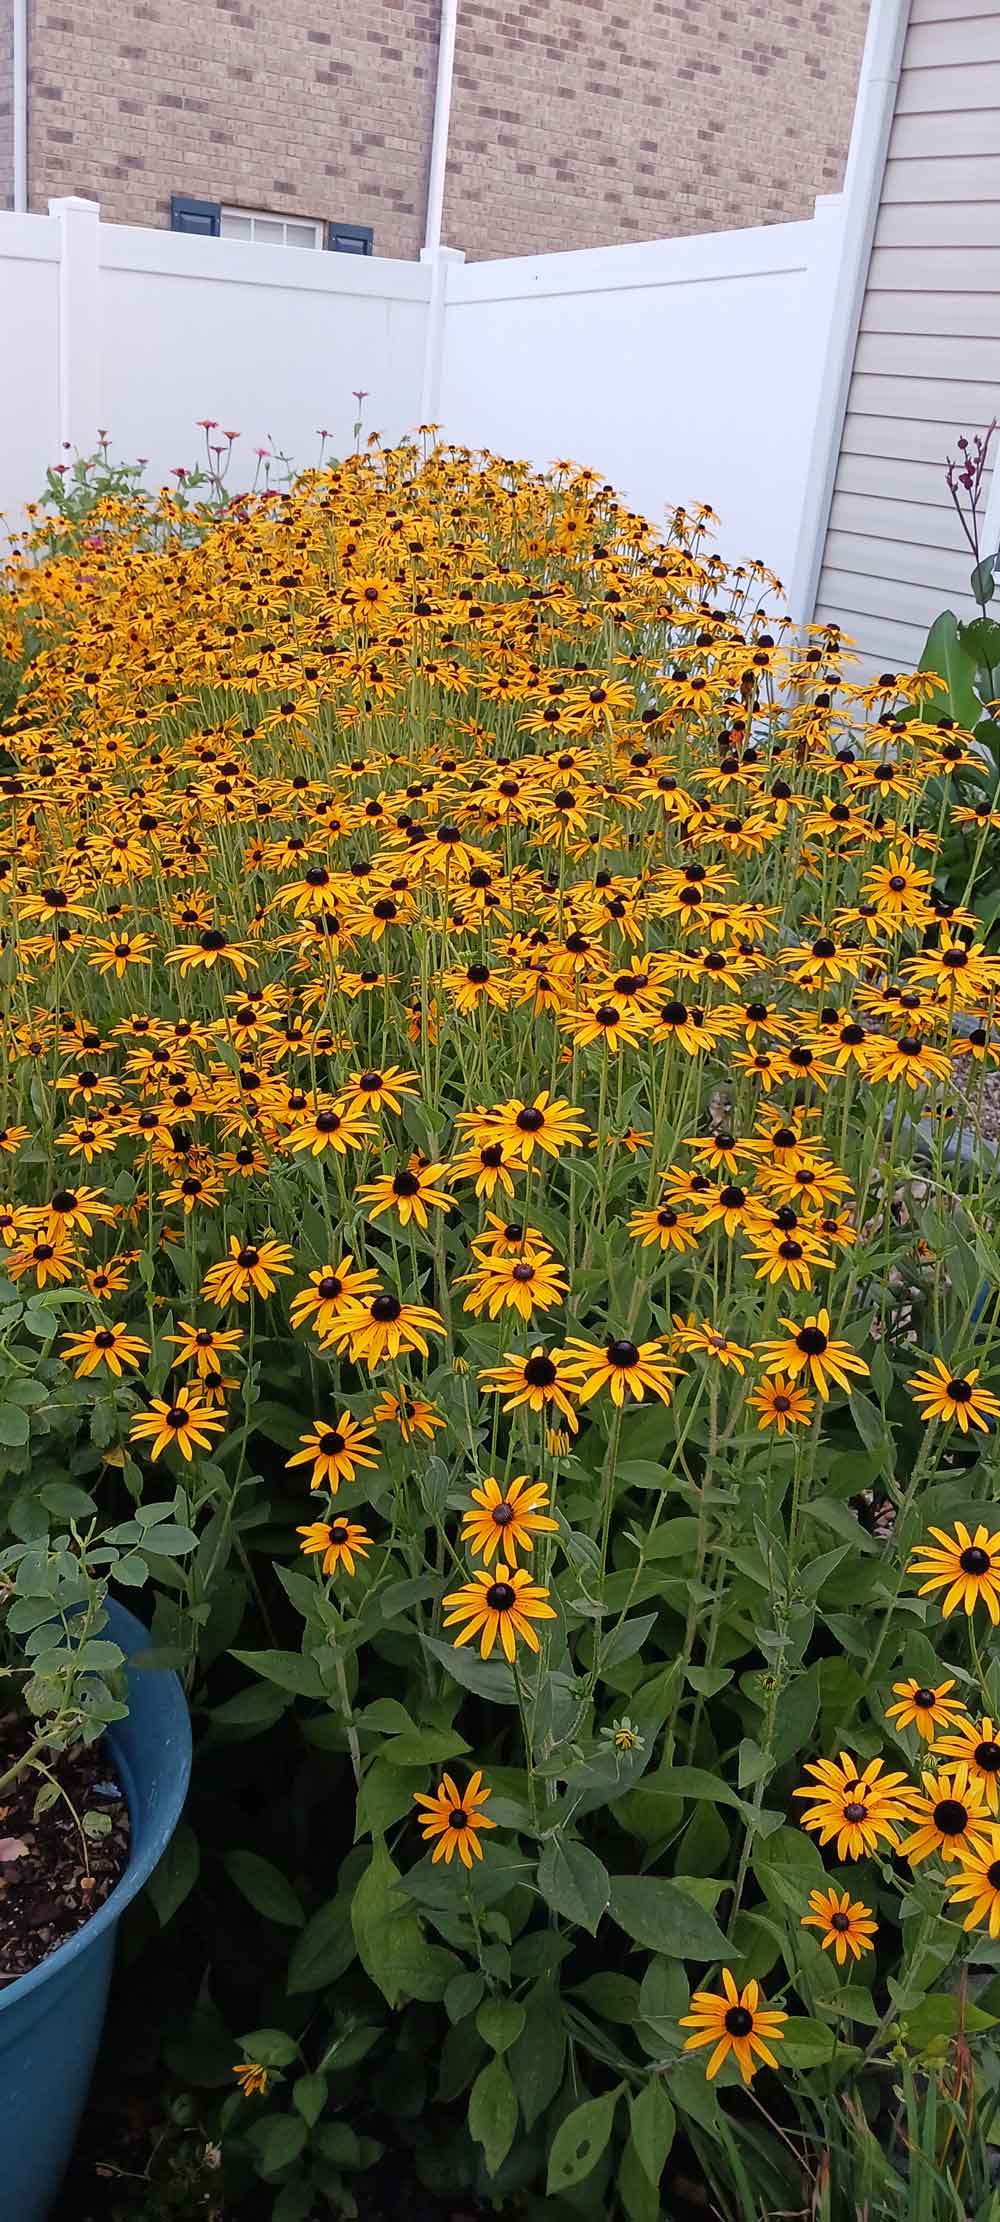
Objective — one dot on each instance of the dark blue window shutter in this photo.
(350, 239)
(194, 216)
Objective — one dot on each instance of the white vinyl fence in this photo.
(683, 370)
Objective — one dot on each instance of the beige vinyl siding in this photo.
(927, 361)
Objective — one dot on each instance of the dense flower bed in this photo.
(498, 1259)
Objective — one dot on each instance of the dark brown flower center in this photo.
(987, 1758)
(951, 1817)
(622, 1353)
(329, 1287)
(811, 1341)
(975, 1560)
(529, 1120)
(539, 1373)
(332, 1443)
(458, 1818)
(500, 1596)
(960, 1391)
(739, 2021)
(840, 1922)
(405, 1184)
(248, 1259)
(855, 1811)
(503, 1514)
(385, 1309)
(925, 1699)
(104, 1338)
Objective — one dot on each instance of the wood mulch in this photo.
(53, 1877)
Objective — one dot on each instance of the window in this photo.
(194, 216)
(349, 239)
(266, 230)
(261, 227)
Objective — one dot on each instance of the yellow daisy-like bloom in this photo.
(411, 1415)
(541, 1379)
(550, 1124)
(341, 1543)
(810, 1348)
(506, 1518)
(780, 1404)
(338, 1128)
(736, 2023)
(384, 1328)
(967, 1566)
(47, 1260)
(211, 948)
(907, 1057)
(112, 1346)
(523, 1284)
(977, 1745)
(977, 1881)
(943, 1395)
(409, 1193)
(335, 1453)
(787, 1254)
(188, 1423)
(615, 1025)
(203, 1346)
(499, 1604)
(621, 1365)
(382, 1091)
(664, 1227)
(491, 1165)
(846, 1923)
(332, 1290)
(699, 1338)
(925, 1707)
(950, 1811)
(860, 1811)
(249, 1267)
(76, 1210)
(454, 1818)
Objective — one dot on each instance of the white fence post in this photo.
(79, 322)
(439, 259)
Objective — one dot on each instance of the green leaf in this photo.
(579, 2142)
(640, 2201)
(463, 1995)
(493, 2114)
(324, 1950)
(15, 1426)
(500, 2022)
(384, 1797)
(656, 1913)
(489, 1678)
(942, 2015)
(653, 2124)
(806, 2044)
(944, 653)
(626, 1641)
(391, 1944)
(423, 1747)
(255, 1707)
(309, 2097)
(277, 2140)
(176, 1875)
(273, 2048)
(574, 1883)
(982, 579)
(265, 1887)
(289, 1669)
(536, 2060)
(613, 1997)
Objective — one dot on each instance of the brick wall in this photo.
(579, 123)
(6, 103)
(575, 122)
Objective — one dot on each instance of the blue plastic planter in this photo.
(51, 2019)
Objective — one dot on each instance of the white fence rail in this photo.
(683, 369)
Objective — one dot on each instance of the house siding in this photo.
(927, 359)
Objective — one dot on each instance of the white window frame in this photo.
(255, 216)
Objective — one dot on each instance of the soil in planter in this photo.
(52, 1876)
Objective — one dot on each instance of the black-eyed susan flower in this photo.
(203, 1346)
(498, 1605)
(927, 1707)
(857, 1811)
(781, 1404)
(520, 1283)
(330, 1291)
(549, 1123)
(339, 1543)
(789, 1254)
(412, 1415)
(966, 1566)
(950, 1812)
(112, 1346)
(335, 1453)
(76, 1211)
(384, 1327)
(212, 947)
(490, 1165)
(940, 1394)
(452, 1819)
(506, 1517)
(541, 1380)
(702, 1339)
(379, 1090)
(187, 1424)
(49, 1260)
(974, 1882)
(977, 1745)
(907, 1057)
(251, 2077)
(410, 1193)
(846, 1924)
(621, 1366)
(251, 1267)
(333, 1127)
(736, 2023)
(664, 1227)
(811, 1348)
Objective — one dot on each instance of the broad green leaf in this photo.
(391, 1944)
(324, 1950)
(489, 1678)
(656, 1913)
(309, 2097)
(574, 1883)
(277, 2140)
(536, 2060)
(653, 2124)
(289, 1669)
(265, 1887)
(423, 1747)
(579, 2142)
(176, 1875)
(493, 2113)
(805, 2044)
(500, 2022)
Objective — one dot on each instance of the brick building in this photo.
(574, 123)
